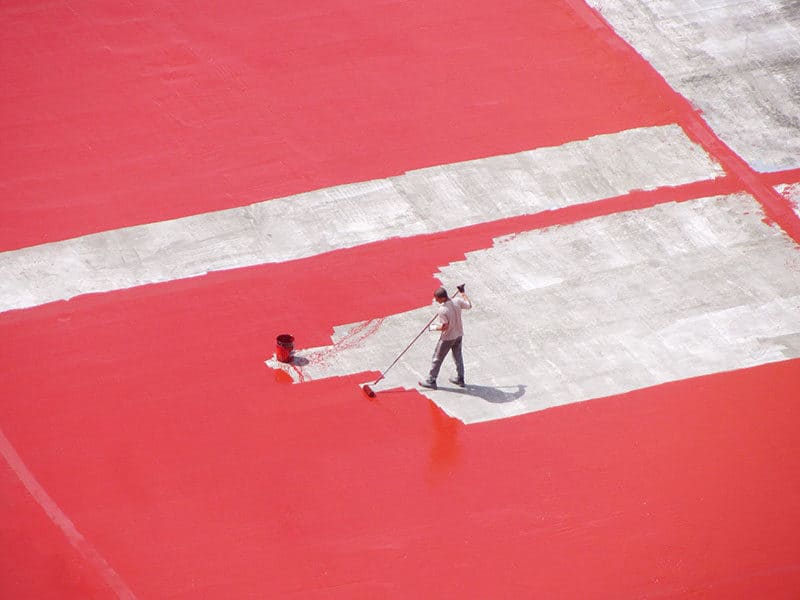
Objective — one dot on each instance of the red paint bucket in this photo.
(284, 347)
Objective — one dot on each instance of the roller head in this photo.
(367, 391)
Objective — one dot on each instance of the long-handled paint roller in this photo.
(366, 388)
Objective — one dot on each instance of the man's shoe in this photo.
(457, 381)
(431, 385)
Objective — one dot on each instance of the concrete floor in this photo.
(597, 308)
(416, 203)
(737, 62)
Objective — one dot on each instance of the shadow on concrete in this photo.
(496, 395)
(299, 361)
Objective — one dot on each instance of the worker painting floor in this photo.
(598, 308)
(616, 182)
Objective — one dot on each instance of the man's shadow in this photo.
(495, 395)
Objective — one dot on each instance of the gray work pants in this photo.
(442, 348)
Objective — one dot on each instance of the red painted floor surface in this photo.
(196, 473)
(148, 414)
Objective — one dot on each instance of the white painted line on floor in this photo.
(63, 522)
(598, 308)
(419, 202)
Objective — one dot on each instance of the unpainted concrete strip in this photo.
(739, 62)
(597, 308)
(419, 202)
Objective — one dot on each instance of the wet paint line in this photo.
(88, 552)
(779, 177)
(777, 209)
(425, 201)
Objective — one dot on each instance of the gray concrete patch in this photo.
(791, 191)
(307, 224)
(597, 308)
(739, 62)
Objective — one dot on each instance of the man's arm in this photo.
(439, 327)
(467, 304)
(441, 322)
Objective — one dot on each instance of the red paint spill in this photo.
(282, 376)
(358, 335)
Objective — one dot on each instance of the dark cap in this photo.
(440, 293)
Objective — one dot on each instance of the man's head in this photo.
(440, 295)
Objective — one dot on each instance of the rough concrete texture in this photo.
(597, 308)
(792, 192)
(415, 203)
(739, 62)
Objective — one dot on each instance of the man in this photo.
(449, 323)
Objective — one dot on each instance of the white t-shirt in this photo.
(450, 313)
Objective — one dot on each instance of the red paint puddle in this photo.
(282, 376)
(444, 446)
